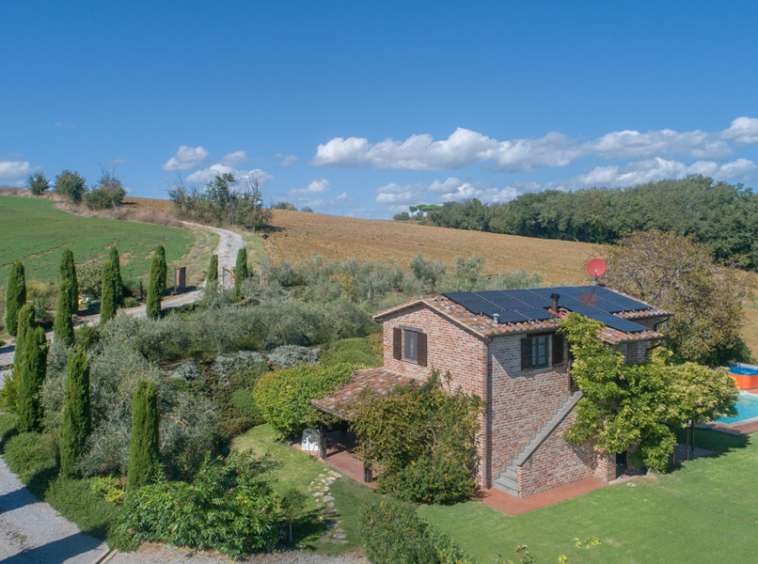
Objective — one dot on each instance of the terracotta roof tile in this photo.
(379, 380)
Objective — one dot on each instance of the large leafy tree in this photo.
(144, 443)
(71, 185)
(109, 192)
(680, 276)
(158, 273)
(636, 407)
(15, 297)
(68, 299)
(76, 420)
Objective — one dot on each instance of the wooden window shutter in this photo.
(526, 353)
(558, 340)
(421, 349)
(397, 343)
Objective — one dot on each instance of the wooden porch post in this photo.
(322, 442)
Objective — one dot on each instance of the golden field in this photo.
(298, 235)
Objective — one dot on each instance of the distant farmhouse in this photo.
(503, 346)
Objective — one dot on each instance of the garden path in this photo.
(32, 532)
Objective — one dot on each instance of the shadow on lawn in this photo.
(717, 442)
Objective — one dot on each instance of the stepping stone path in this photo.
(319, 489)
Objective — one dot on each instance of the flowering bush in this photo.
(288, 356)
(229, 507)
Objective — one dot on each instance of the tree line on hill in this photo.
(108, 192)
(723, 216)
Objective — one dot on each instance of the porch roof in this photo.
(379, 380)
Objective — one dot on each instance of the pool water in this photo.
(747, 408)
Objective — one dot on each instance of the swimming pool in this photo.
(747, 408)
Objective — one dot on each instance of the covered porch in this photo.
(337, 443)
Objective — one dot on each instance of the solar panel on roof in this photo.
(617, 323)
(535, 314)
(512, 317)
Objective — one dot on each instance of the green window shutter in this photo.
(397, 343)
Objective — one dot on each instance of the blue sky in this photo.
(362, 108)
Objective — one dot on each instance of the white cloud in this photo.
(743, 131)
(206, 175)
(342, 198)
(235, 158)
(398, 196)
(462, 148)
(287, 160)
(465, 147)
(186, 158)
(629, 144)
(11, 170)
(316, 187)
(653, 170)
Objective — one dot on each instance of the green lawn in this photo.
(297, 469)
(706, 511)
(34, 231)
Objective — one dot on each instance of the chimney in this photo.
(496, 318)
(555, 302)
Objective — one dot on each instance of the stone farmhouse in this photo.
(504, 347)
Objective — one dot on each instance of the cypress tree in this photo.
(108, 297)
(143, 446)
(15, 297)
(76, 420)
(25, 321)
(212, 279)
(30, 379)
(118, 282)
(241, 272)
(68, 299)
(157, 283)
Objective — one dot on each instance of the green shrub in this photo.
(428, 480)
(130, 301)
(365, 351)
(9, 392)
(420, 423)
(30, 455)
(392, 533)
(284, 396)
(76, 500)
(229, 507)
(107, 487)
(87, 336)
(8, 427)
(288, 356)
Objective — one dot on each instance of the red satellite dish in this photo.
(596, 267)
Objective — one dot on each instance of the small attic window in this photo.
(410, 345)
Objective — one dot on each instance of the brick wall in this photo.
(556, 463)
(450, 348)
(521, 400)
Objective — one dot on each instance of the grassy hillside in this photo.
(34, 231)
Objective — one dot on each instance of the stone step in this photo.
(506, 485)
(509, 472)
